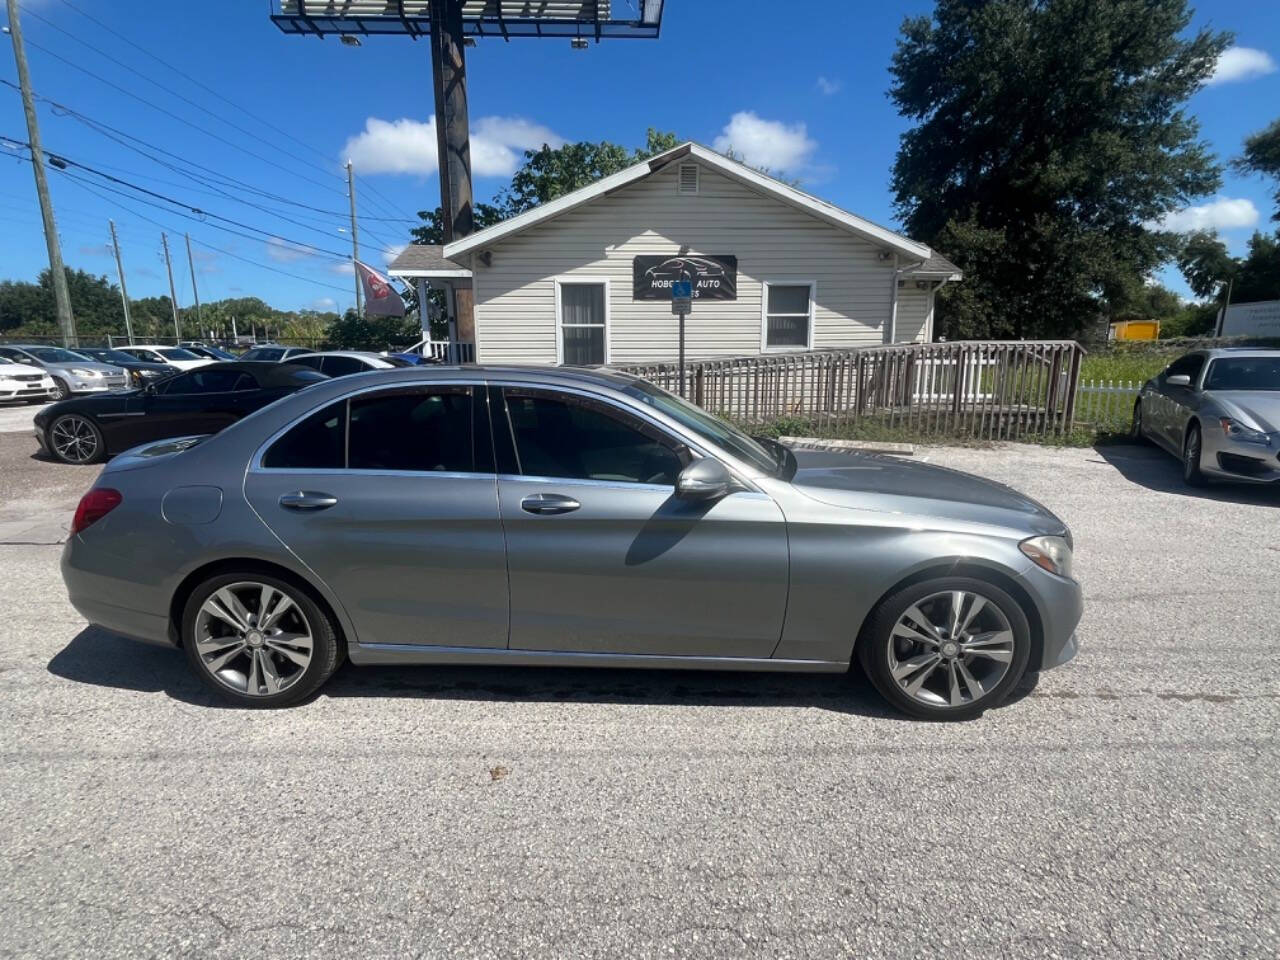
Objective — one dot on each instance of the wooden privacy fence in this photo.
(992, 389)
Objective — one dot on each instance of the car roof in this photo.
(362, 354)
(1213, 352)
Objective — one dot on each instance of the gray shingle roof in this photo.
(936, 265)
(423, 258)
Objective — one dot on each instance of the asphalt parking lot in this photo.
(1127, 804)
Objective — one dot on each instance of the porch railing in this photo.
(988, 389)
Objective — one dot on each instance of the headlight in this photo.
(89, 374)
(1235, 430)
(1051, 553)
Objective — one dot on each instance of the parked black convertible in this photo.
(204, 400)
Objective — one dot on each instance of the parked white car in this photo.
(341, 363)
(20, 381)
(175, 357)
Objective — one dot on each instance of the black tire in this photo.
(60, 390)
(1192, 446)
(327, 651)
(93, 449)
(877, 636)
(1135, 428)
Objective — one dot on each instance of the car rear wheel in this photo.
(947, 648)
(259, 641)
(60, 389)
(76, 439)
(1191, 449)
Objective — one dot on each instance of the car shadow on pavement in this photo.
(1150, 467)
(95, 656)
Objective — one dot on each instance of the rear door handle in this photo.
(546, 504)
(307, 500)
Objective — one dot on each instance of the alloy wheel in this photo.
(950, 649)
(253, 638)
(60, 391)
(74, 439)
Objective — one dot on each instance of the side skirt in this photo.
(393, 653)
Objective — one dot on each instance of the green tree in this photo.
(1048, 136)
(352, 332)
(1209, 268)
(1262, 155)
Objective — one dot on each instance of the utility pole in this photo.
(124, 291)
(355, 239)
(61, 296)
(173, 296)
(194, 291)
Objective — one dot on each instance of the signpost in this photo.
(682, 306)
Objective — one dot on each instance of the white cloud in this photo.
(285, 251)
(409, 146)
(324, 303)
(392, 251)
(342, 268)
(765, 143)
(828, 86)
(1241, 63)
(96, 250)
(1223, 213)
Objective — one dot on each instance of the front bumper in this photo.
(1231, 459)
(1060, 603)
(11, 389)
(97, 384)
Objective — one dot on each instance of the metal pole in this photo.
(449, 80)
(57, 273)
(682, 316)
(173, 296)
(195, 292)
(355, 238)
(124, 291)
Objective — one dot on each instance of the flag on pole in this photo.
(379, 299)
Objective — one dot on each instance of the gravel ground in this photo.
(1125, 805)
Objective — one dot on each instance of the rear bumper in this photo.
(97, 596)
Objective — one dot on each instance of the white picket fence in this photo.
(1106, 404)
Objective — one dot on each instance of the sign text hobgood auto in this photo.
(713, 277)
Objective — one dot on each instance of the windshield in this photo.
(1244, 373)
(111, 356)
(55, 354)
(712, 429)
(177, 353)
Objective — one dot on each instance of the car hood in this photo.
(1260, 408)
(894, 485)
(86, 365)
(20, 370)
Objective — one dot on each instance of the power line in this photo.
(208, 246)
(156, 83)
(210, 90)
(198, 212)
(121, 137)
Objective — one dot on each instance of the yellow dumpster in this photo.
(1135, 330)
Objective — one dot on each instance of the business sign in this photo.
(713, 277)
(1260, 319)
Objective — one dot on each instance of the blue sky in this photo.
(279, 114)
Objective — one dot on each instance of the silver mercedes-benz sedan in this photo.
(557, 516)
(1218, 411)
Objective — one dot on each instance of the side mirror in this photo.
(702, 480)
(1178, 380)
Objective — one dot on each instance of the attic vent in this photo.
(688, 182)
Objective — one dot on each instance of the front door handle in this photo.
(546, 504)
(307, 500)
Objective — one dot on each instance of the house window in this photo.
(788, 315)
(688, 180)
(583, 323)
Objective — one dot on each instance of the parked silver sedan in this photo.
(554, 516)
(1218, 411)
(72, 373)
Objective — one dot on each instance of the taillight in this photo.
(95, 505)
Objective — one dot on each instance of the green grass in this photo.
(1120, 364)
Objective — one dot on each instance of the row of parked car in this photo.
(110, 399)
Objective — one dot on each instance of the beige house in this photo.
(586, 278)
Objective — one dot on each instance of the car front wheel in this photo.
(1136, 433)
(946, 649)
(1191, 449)
(76, 439)
(60, 389)
(259, 641)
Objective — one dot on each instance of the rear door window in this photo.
(317, 443)
(341, 366)
(428, 430)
